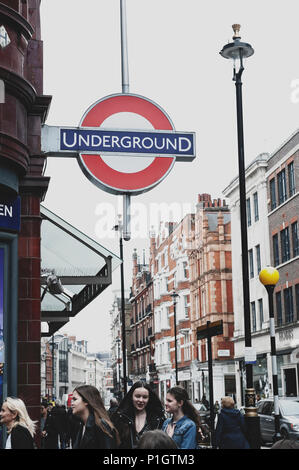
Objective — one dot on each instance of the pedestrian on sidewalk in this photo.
(49, 434)
(20, 428)
(140, 411)
(230, 429)
(96, 429)
(184, 426)
(113, 406)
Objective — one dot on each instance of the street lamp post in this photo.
(237, 51)
(174, 296)
(119, 228)
(269, 278)
(118, 365)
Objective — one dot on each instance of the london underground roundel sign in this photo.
(100, 170)
(125, 144)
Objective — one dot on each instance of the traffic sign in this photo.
(210, 329)
(148, 150)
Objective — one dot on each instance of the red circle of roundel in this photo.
(117, 180)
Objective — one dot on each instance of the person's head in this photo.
(87, 400)
(13, 413)
(177, 399)
(156, 439)
(113, 402)
(286, 444)
(44, 406)
(227, 402)
(57, 403)
(141, 397)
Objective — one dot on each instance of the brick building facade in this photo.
(142, 324)
(170, 270)
(283, 216)
(211, 295)
(22, 164)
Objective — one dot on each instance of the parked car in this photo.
(289, 418)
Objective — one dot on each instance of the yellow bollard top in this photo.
(269, 276)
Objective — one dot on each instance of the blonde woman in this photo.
(20, 427)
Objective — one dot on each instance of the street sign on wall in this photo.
(128, 126)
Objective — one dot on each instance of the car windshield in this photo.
(289, 408)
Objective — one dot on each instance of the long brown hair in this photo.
(92, 396)
(188, 409)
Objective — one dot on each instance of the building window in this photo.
(186, 306)
(288, 305)
(273, 194)
(248, 211)
(258, 258)
(185, 269)
(279, 308)
(292, 188)
(253, 316)
(275, 250)
(256, 207)
(297, 300)
(285, 245)
(261, 312)
(295, 239)
(251, 268)
(282, 187)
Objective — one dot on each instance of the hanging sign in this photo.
(127, 126)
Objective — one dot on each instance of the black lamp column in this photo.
(174, 296)
(237, 51)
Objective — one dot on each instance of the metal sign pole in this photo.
(211, 391)
(125, 89)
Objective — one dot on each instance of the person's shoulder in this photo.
(20, 430)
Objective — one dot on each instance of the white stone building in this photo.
(258, 258)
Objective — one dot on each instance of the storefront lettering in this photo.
(286, 335)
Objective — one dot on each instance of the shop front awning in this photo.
(75, 269)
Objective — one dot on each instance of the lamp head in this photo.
(269, 276)
(237, 49)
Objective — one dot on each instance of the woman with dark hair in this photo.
(139, 411)
(184, 425)
(96, 430)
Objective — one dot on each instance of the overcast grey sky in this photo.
(173, 60)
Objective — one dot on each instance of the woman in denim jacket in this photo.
(184, 424)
